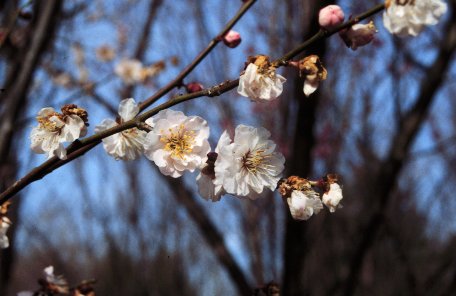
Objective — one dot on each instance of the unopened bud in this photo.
(194, 87)
(72, 109)
(232, 39)
(330, 16)
(358, 35)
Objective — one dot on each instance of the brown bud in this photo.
(72, 109)
(287, 186)
(312, 68)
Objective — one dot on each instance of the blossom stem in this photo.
(323, 34)
(80, 147)
(178, 80)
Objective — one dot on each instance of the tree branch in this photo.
(72, 150)
(212, 236)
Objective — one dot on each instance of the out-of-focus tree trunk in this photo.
(304, 141)
(385, 183)
(21, 67)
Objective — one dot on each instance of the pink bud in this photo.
(232, 39)
(330, 16)
(194, 87)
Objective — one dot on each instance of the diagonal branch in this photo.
(180, 77)
(212, 236)
(79, 147)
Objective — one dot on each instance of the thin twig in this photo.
(178, 80)
(79, 147)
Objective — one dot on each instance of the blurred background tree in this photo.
(384, 120)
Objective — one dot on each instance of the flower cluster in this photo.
(408, 17)
(176, 143)
(306, 198)
(132, 71)
(55, 128)
(242, 165)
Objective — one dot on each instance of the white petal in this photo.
(310, 87)
(128, 109)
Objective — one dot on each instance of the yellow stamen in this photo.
(253, 161)
(179, 141)
(47, 124)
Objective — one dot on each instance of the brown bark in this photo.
(23, 65)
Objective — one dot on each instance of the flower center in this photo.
(48, 124)
(252, 161)
(179, 141)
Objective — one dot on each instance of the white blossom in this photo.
(205, 179)
(304, 204)
(260, 84)
(127, 144)
(332, 198)
(408, 17)
(4, 225)
(249, 163)
(53, 130)
(177, 142)
(130, 71)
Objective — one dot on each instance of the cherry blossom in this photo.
(127, 144)
(177, 142)
(55, 128)
(259, 81)
(249, 163)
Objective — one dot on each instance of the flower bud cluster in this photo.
(306, 198)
